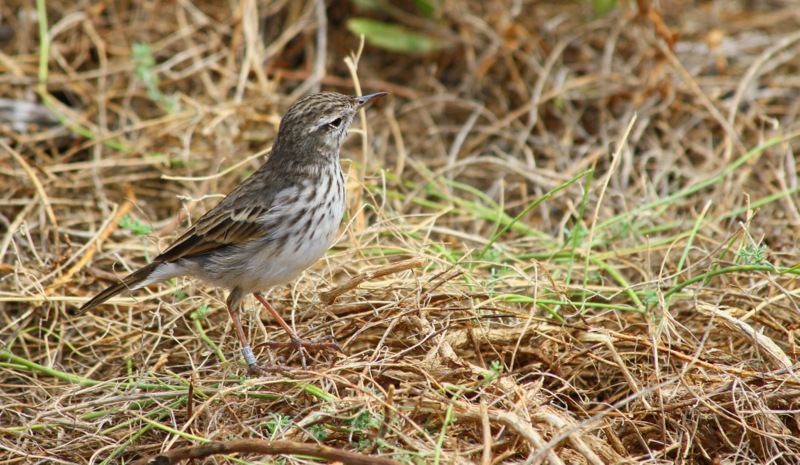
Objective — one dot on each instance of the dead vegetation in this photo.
(589, 221)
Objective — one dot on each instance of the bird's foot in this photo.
(270, 368)
(296, 343)
(305, 345)
(256, 369)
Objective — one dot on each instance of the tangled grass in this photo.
(572, 237)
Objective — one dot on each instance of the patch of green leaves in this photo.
(650, 298)
(363, 425)
(603, 7)
(752, 255)
(320, 432)
(364, 420)
(580, 233)
(201, 312)
(277, 424)
(134, 226)
(494, 372)
(181, 295)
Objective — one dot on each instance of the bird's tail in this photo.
(128, 282)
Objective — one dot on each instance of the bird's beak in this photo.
(366, 99)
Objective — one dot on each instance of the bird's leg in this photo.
(233, 304)
(319, 343)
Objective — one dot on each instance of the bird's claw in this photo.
(271, 367)
(318, 343)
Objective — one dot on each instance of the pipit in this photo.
(271, 227)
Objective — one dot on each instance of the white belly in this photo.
(294, 243)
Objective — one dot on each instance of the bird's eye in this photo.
(335, 123)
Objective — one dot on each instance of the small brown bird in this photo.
(274, 225)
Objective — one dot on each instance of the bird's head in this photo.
(316, 125)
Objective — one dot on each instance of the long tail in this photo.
(127, 282)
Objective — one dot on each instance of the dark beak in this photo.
(366, 99)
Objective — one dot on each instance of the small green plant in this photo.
(320, 432)
(143, 57)
(603, 7)
(752, 254)
(364, 420)
(137, 228)
(650, 298)
(134, 226)
(361, 425)
(494, 372)
(621, 229)
(278, 423)
(580, 230)
(392, 36)
(200, 313)
(180, 294)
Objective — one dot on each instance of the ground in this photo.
(572, 233)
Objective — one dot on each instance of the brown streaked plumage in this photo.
(275, 224)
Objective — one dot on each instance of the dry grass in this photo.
(601, 214)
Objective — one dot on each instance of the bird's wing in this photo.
(235, 220)
(217, 230)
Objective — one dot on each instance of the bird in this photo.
(271, 227)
